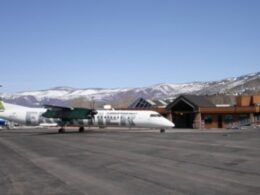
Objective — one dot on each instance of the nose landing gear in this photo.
(61, 130)
(162, 130)
(81, 129)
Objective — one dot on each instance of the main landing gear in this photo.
(162, 130)
(61, 130)
(81, 129)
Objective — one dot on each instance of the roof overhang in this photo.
(230, 110)
(169, 107)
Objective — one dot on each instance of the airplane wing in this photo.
(68, 113)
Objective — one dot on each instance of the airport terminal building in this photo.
(191, 111)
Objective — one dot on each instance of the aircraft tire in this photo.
(81, 129)
(61, 130)
(162, 130)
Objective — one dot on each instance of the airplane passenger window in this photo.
(155, 115)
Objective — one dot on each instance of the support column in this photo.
(252, 119)
(197, 121)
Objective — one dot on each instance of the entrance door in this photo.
(183, 120)
(220, 121)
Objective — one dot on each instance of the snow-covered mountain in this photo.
(64, 95)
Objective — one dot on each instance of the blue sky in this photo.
(125, 43)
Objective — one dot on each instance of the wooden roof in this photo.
(201, 104)
(233, 109)
(192, 100)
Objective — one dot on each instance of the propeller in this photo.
(92, 114)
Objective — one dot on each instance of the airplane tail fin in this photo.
(2, 108)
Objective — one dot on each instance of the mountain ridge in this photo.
(64, 95)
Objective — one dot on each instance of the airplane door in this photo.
(100, 120)
(32, 118)
(131, 120)
(123, 120)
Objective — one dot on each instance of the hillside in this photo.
(246, 84)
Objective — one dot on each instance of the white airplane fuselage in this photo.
(103, 118)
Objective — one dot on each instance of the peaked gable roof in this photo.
(192, 100)
(147, 103)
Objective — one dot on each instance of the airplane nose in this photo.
(169, 124)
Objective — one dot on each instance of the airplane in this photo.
(60, 116)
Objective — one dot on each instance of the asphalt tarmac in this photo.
(121, 161)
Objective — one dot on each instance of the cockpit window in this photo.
(155, 115)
